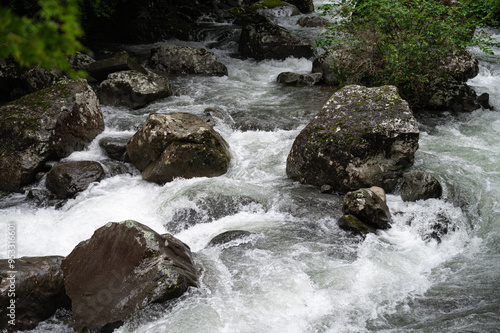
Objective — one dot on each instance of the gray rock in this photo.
(462, 67)
(48, 124)
(102, 68)
(295, 79)
(115, 148)
(66, 179)
(178, 145)
(38, 287)
(324, 64)
(367, 207)
(279, 11)
(362, 137)
(352, 224)
(133, 89)
(311, 21)
(449, 94)
(81, 61)
(269, 41)
(121, 269)
(185, 60)
(420, 185)
(305, 6)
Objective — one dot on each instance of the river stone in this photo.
(324, 64)
(368, 208)
(115, 147)
(101, 69)
(39, 290)
(133, 89)
(185, 60)
(448, 94)
(420, 185)
(362, 137)
(228, 236)
(16, 81)
(311, 21)
(296, 79)
(270, 41)
(47, 124)
(352, 224)
(121, 269)
(462, 67)
(66, 179)
(178, 145)
(281, 9)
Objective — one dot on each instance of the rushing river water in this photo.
(297, 272)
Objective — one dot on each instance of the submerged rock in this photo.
(185, 60)
(420, 185)
(38, 285)
(362, 137)
(120, 270)
(133, 89)
(228, 236)
(270, 41)
(178, 145)
(66, 179)
(115, 148)
(47, 124)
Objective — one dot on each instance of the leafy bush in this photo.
(400, 42)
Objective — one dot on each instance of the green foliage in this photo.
(45, 39)
(401, 42)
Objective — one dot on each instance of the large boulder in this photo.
(305, 6)
(121, 269)
(368, 207)
(324, 64)
(362, 137)
(185, 60)
(47, 124)
(270, 41)
(448, 94)
(16, 81)
(133, 89)
(31, 290)
(420, 185)
(178, 145)
(462, 67)
(66, 179)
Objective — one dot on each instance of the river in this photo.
(297, 272)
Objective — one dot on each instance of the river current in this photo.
(297, 271)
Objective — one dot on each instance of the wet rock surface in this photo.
(121, 269)
(67, 179)
(47, 124)
(420, 185)
(362, 137)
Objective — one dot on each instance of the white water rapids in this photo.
(298, 272)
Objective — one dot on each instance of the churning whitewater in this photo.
(296, 271)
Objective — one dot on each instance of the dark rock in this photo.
(47, 124)
(39, 291)
(368, 208)
(251, 18)
(269, 41)
(228, 236)
(305, 6)
(121, 269)
(102, 68)
(311, 21)
(420, 185)
(353, 224)
(133, 89)
(278, 9)
(185, 60)
(115, 148)
(81, 61)
(484, 101)
(295, 79)
(325, 63)
(66, 179)
(451, 95)
(16, 82)
(362, 137)
(178, 145)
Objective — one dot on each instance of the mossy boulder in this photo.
(362, 137)
(178, 145)
(121, 269)
(47, 124)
